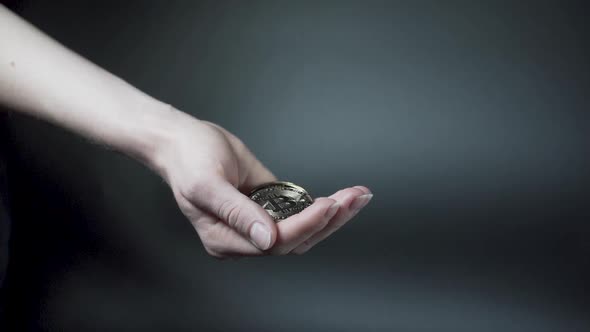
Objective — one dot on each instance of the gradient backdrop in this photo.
(469, 121)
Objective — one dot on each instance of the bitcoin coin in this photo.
(281, 199)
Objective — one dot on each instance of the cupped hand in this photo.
(210, 170)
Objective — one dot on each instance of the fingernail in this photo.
(332, 210)
(360, 202)
(260, 235)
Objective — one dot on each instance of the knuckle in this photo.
(214, 253)
(211, 243)
(193, 189)
(322, 224)
(187, 191)
(230, 212)
(184, 204)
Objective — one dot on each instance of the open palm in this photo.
(209, 170)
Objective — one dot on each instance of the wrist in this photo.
(162, 129)
(149, 133)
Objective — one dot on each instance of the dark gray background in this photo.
(468, 120)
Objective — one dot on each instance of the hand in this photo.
(209, 169)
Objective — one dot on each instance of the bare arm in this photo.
(40, 77)
(206, 166)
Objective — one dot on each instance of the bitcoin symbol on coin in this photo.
(276, 204)
(281, 199)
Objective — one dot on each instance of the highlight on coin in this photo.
(281, 199)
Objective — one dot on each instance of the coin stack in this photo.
(281, 199)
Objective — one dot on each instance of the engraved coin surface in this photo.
(281, 199)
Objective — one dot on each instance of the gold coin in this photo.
(281, 199)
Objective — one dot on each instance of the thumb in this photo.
(238, 211)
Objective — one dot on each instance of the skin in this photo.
(207, 168)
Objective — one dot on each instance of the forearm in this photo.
(42, 78)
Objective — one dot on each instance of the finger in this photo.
(363, 189)
(344, 198)
(298, 228)
(257, 174)
(222, 241)
(224, 201)
(341, 195)
(351, 201)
